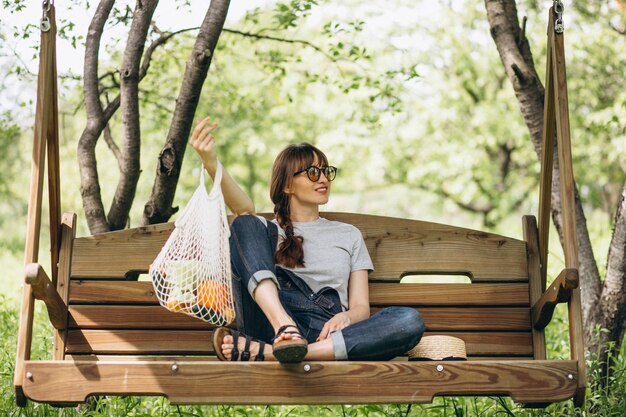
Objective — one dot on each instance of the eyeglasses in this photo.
(313, 172)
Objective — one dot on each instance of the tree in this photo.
(604, 302)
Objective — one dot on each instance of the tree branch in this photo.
(159, 207)
(108, 138)
(129, 103)
(273, 38)
(89, 182)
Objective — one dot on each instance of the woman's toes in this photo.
(227, 351)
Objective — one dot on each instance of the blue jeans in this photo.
(389, 333)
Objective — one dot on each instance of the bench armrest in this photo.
(559, 292)
(43, 290)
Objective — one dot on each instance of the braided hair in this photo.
(292, 159)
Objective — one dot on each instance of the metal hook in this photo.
(44, 24)
(558, 11)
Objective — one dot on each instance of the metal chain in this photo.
(44, 23)
(558, 11)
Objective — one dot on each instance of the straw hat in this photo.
(438, 348)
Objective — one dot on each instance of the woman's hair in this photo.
(292, 159)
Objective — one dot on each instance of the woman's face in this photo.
(305, 192)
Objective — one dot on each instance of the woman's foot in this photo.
(247, 347)
(289, 346)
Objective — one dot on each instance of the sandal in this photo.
(290, 350)
(218, 340)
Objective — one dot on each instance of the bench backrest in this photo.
(112, 315)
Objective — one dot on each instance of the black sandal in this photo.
(290, 350)
(218, 340)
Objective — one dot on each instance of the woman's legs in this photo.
(259, 312)
(387, 334)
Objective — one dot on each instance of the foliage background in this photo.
(409, 99)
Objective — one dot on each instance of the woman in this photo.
(301, 281)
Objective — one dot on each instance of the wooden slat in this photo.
(153, 358)
(112, 292)
(529, 224)
(201, 382)
(449, 294)
(152, 317)
(397, 247)
(167, 342)
(129, 292)
(114, 254)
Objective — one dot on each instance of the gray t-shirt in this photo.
(331, 251)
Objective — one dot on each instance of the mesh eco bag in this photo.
(191, 274)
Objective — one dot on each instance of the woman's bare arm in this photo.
(203, 142)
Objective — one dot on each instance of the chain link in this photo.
(558, 11)
(44, 23)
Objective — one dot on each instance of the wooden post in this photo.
(547, 152)
(558, 86)
(52, 135)
(42, 128)
(68, 233)
(534, 281)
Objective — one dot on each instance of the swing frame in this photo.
(506, 271)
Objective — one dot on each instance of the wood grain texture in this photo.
(190, 342)
(194, 382)
(397, 247)
(156, 317)
(130, 292)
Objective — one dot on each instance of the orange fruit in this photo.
(173, 304)
(213, 295)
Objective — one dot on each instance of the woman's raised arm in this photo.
(203, 142)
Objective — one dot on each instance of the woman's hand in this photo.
(338, 322)
(203, 142)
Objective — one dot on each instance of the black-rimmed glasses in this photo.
(313, 172)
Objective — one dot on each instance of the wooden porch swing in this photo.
(112, 338)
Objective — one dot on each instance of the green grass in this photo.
(607, 400)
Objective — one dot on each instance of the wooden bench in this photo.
(116, 339)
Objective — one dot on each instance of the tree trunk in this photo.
(517, 59)
(89, 183)
(159, 208)
(129, 102)
(613, 298)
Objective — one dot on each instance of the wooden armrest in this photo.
(559, 292)
(43, 290)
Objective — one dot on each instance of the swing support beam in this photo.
(46, 140)
(556, 126)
